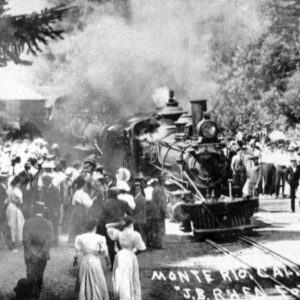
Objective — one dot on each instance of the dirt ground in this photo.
(280, 232)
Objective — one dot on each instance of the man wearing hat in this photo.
(239, 169)
(159, 206)
(99, 191)
(281, 161)
(50, 195)
(268, 169)
(55, 151)
(89, 165)
(37, 239)
(255, 177)
(292, 177)
(139, 213)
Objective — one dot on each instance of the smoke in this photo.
(17, 7)
(148, 139)
(121, 61)
(160, 96)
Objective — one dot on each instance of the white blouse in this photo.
(90, 242)
(81, 197)
(128, 238)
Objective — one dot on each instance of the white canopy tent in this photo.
(18, 103)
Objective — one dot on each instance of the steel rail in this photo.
(229, 253)
(263, 248)
(254, 243)
(244, 238)
(268, 251)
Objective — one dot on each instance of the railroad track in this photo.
(251, 268)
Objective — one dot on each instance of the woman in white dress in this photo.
(126, 279)
(91, 283)
(14, 215)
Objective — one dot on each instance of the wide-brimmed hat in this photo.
(48, 165)
(99, 167)
(4, 175)
(123, 174)
(139, 176)
(91, 159)
(151, 181)
(54, 146)
(98, 176)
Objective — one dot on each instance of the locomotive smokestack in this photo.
(198, 108)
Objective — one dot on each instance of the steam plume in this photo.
(119, 62)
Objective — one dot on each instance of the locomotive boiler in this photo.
(189, 150)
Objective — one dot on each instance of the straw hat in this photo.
(123, 174)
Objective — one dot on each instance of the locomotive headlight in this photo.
(208, 129)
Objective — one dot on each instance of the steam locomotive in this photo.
(190, 151)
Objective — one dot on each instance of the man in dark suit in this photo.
(159, 202)
(26, 187)
(292, 177)
(37, 239)
(139, 213)
(50, 195)
(114, 210)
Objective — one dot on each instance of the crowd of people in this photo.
(110, 216)
(265, 166)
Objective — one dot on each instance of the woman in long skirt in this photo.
(91, 283)
(14, 215)
(126, 279)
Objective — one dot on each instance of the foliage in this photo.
(27, 32)
(259, 85)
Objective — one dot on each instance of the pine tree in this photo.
(26, 33)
